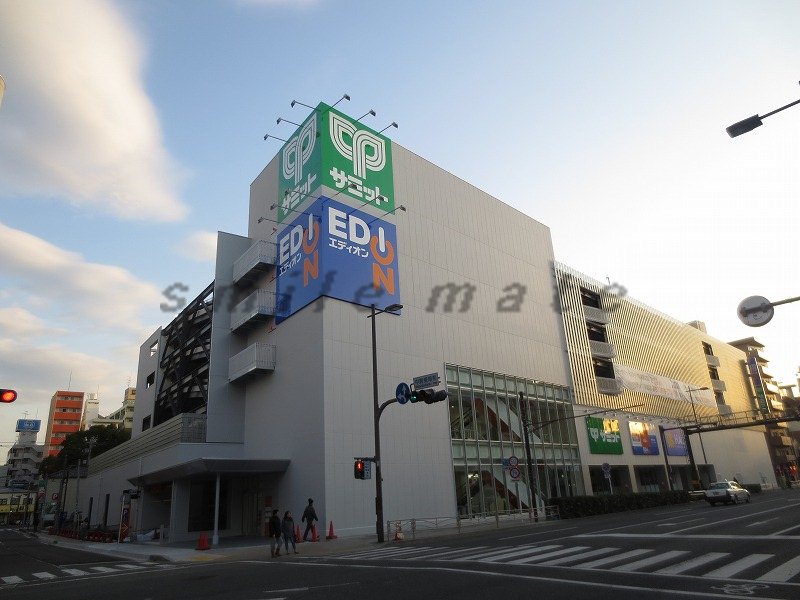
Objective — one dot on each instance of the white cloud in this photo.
(21, 324)
(100, 295)
(76, 119)
(200, 246)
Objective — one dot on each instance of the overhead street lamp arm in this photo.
(751, 123)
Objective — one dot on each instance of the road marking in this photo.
(442, 554)
(103, 569)
(43, 575)
(681, 523)
(692, 563)
(74, 572)
(127, 566)
(738, 566)
(520, 551)
(693, 536)
(485, 554)
(530, 559)
(611, 559)
(12, 579)
(783, 572)
(651, 560)
(785, 530)
(387, 552)
(568, 559)
(746, 516)
(513, 537)
(761, 522)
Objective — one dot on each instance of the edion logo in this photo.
(355, 231)
(366, 150)
(307, 239)
(298, 150)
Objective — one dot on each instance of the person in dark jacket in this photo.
(287, 527)
(309, 516)
(275, 534)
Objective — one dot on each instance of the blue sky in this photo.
(130, 132)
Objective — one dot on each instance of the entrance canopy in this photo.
(200, 467)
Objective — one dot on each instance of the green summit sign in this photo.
(329, 148)
(604, 437)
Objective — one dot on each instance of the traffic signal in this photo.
(428, 396)
(358, 469)
(8, 395)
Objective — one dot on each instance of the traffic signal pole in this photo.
(377, 420)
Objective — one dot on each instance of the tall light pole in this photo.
(700, 435)
(392, 308)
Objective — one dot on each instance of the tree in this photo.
(76, 444)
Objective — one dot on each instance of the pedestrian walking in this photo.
(309, 516)
(287, 527)
(275, 534)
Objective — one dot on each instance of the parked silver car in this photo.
(726, 491)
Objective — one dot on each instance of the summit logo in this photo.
(365, 149)
(298, 150)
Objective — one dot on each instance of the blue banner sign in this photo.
(334, 250)
(675, 440)
(643, 438)
(29, 424)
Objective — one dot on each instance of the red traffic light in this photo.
(8, 395)
(358, 469)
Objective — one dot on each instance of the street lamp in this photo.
(751, 123)
(392, 308)
(755, 311)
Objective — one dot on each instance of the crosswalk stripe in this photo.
(484, 554)
(103, 569)
(131, 567)
(530, 559)
(692, 563)
(783, 572)
(385, 552)
(520, 551)
(402, 554)
(651, 560)
(568, 559)
(75, 572)
(43, 575)
(12, 579)
(611, 559)
(450, 553)
(737, 566)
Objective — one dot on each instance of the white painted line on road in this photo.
(530, 559)
(611, 559)
(738, 566)
(75, 572)
(568, 559)
(513, 537)
(761, 522)
(682, 523)
(692, 563)
(521, 551)
(386, 552)
(485, 554)
(103, 569)
(651, 560)
(674, 512)
(451, 552)
(783, 572)
(693, 536)
(43, 575)
(12, 579)
(785, 530)
(728, 520)
(131, 567)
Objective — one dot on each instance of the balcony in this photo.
(609, 386)
(712, 361)
(258, 358)
(596, 315)
(602, 349)
(718, 385)
(256, 259)
(258, 306)
(781, 440)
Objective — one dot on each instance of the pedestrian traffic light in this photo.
(428, 396)
(358, 469)
(8, 395)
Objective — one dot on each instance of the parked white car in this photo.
(726, 491)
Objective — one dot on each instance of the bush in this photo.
(584, 506)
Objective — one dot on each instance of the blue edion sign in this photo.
(28, 424)
(334, 250)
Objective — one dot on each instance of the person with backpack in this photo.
(309, 516)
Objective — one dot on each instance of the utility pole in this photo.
(525, 425)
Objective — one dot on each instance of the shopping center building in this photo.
(259, 394)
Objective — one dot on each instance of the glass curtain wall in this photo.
(486, 432)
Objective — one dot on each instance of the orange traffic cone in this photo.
(202, 543)
(297, 538)
(331, 535)
(314, 536)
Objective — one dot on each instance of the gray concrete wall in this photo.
(146, 397)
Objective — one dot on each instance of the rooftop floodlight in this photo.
(751, 123)
(369, 112)
(392, 124)
(275, 137)
(301, 104)
(344, 97)
(282, 120)
(393, 308)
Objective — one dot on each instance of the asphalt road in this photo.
(687, 551)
